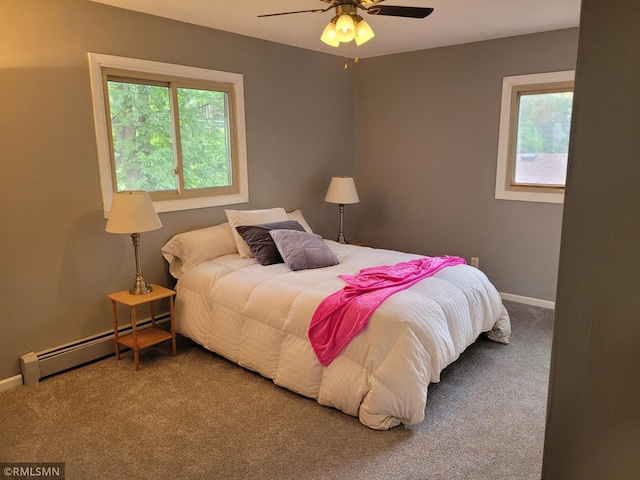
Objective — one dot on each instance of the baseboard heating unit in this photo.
(37, 365)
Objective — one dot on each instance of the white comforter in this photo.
(258, 317)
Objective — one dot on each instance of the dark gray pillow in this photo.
(261, 243)
(302, 250)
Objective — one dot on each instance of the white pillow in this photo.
(186, 250)
(297, 216)
(252, 217)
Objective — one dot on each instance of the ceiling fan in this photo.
(347, 25)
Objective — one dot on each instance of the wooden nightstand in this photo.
(147, 337)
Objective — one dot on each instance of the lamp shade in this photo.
(132, 212)
(363, 32)
(329, 35)
(342, 190)
(345, 28)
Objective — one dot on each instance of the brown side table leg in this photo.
(115, 327)
(173, 328)
(136, 348)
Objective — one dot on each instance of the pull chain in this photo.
(346, 63)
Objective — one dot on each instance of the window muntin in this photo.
(176, 132)
(535, 125)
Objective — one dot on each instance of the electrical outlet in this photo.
(475, 262)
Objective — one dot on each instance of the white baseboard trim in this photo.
(536, 302)
(11, 382)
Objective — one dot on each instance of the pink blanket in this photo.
(344, 313)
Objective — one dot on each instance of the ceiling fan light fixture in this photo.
(329, 35)
(363, 32)
(345, 28)
(347, 25)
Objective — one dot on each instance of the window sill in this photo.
(530, 196)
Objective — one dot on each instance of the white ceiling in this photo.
(452, 22)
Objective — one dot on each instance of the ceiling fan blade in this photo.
(410, 12)
(299, 11)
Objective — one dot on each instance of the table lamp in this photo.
(132, 212)
(342, 190)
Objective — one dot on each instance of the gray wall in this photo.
(593, 419)
(58, 263)
(427, 141)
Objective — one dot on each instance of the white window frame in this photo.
(502, 191)
(98, 62)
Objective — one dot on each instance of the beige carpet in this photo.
(197, 416)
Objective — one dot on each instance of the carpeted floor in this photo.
(198, 416)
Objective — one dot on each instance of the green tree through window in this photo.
(544, 123)
(142, 140)
(204, 124)
(146, 153)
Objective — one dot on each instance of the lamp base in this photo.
(340, 234)
(140, 287)
(140, 291)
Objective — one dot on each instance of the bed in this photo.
(257, 315)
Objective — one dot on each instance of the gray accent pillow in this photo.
(302, 250)
(261, 243)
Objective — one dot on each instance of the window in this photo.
(174, 131)
(535, 123)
